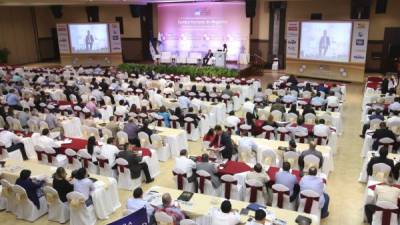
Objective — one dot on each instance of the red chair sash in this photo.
(189, 127)
(50, 157)
(70, 159)
(386, 214)
(174, 125)
(228, 188)
(202, 181)
(301, 138)
(39, 155)
(282, 135)
(309, 202)
(253, 192)
(320, 139)
(122, 168)
(280, 197)
(268, 134)
(1, 150)
(102, 162)
(159, 122)
(85, 162)
(180, 179)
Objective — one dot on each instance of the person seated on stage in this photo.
(12, 142)
(311, 151)
(61, 184)
(109, 151)
(137, 202)
(186, 165)
(278, 106)
(207, 57)
(258, 174)
(135, 164)
(193, 115)
(227, 91)
(30, 185)
(171, 209)
(383, 132)
(46, 141)
(315, 183)
(259, 218)
(209, 168)
(83, 184)
(223, 140)
(382, 158)
(225, 215)
(287, 179)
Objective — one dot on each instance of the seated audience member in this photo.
(223, 140)
(292, 146)
(293, 109)
(46, 141)
(395, 106)
(113, 125)
(183, 101)
(315, 183)
(225, 215)
(259, 218)
(31, 186)
(93, 149)
(83, 185)
(193, 115)
(169, 90)
(383, 132)
(135, 164)
(278, 106)
(109, 151)
(227, 91)
(179, 113)
(169, 208)
(12, 142)
(383, 192)
(232, 120)
(308, 109)
(258, 174)
(209, 136)
(377, 115)
(207, 94)
(270, 121)
(13, 100)
(209, 168)
(382, 158)
(165, 115)
(260, 95)
(186, 165)
(311, 151)
(297, 127)
(321, 130)
(248, 106)
(132, 130)
(121, 109)
(332, 99)
(158, 99)
(137, 202)
(61, 184)
(23, 117)
(292, 80)
(284, 177)
(145, 128)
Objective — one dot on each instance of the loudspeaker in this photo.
(316, 16)
(135, 10)
(92, 13)
(381, 6)
(360, 9)
(251, 8)
(56, 10)
(120, 20)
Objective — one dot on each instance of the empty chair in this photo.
(79, 212)
(72, 159)
(291, 117)
(125, 180)
(181, 180)
(230, 189)
(268, 157)
(122, 138)
(309, 203)
(310, 118)
(163, 151)
(281, 197)
(269, 132)
(300, 136)
(9, 195)
(58, 210)
(380, 172)
(245, 129)
(55, 160)
(277, 115)
(192, 131)
(255, 192)
(386, 213)
(86, 161)
(25, 209)
(144, 139)
(283, 134)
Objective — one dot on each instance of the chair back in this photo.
(162, 218)
(277, 115)
(292, 158)
(51, 195)
(281, 196)
(229, 182)
(20, 195)
(122, 166)
(204, 181)
(310, 118)
(174, 122)
(156, 141)
(189, 124)
(386, 213)
(245, 129)
(122, 137)
(268, 157)
(283, 133)
(107, 133)
(144, 139)
(7, 189)
(254, 190)
(310, 161)
(291, 117)
(309, 202)
(40, 153)
(181, 178)
(374, 124)
(381, 171)
(76, 201)
(187, 222)
(269, 132)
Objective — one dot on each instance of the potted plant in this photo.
(4, 53)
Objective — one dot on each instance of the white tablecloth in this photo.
(176, 139)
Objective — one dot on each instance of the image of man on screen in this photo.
(89, 41)
(207, 57)
(324, 43)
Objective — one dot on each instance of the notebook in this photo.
(255, 206)
(185, 196)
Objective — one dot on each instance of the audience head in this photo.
(80, 174)
(383, 152)
(312, 145)
(60, 173)
(321, 121)
(210, 132)
(110, 140)
(228, 86)
(163, 109)
(260, 216)
(218, 129)
(183, 152)
(226, 206)
(292, 144)
(204, 157)
(138, 193)
(257, 168)
(45, 132)
(382, 125)
(24, 174)
(312, 171)
(182, 93)
(232, 113)
(166, 199)
(286, 166)
(190, 109)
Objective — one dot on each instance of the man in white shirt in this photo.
(185, 164)
(109, 151)
(395, 106)
(121, 110)
(322, 130)
(183, 101)
(83, 184)
(259, 218)
(169, 90)
(137, 202)
(232, 120)
(46, 141)
(158, 99)
(248, 106)
(332, 99)
(383, 192)
(225, 215)
(12, 142)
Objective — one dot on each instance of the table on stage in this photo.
(199, 206)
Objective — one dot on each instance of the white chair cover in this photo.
(124, 176)
(25, 209)
(58, 210)
(80, 213)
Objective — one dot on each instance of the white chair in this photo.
(292, 158)
(181, 181)
(163, 218)
(310, 161)
(3, 200)
(268, 157)
(310, 118)
(283, 134)
(107, 133)
(281, 197)
(25, 209)
(384, 207)
(9, 195)
(374, 124)
(300, 136)
(245, 129)
(163, 151)
(247, 155)
(86, 161)
(72, 159)
(205, 184)
(122, 138)
(380, 172)
(255, 192)
(43, 125)
(291, 117)
(41, 155)
(53, 159)
(80, 213)
(309, 203)
(58, 210)
(387, 142)
(125, 180)
(192, 131)
(144, 140)
(174, 122)
(15, 155)
(269, 132)
(230, 189)
(90, 131)
(104, 167)
(277, 115)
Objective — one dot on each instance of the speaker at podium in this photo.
(220, 58)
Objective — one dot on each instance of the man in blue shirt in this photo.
(284, 177)
(183, 101)
(12, 100)
(314, 183)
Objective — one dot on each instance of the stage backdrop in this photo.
(197, 27)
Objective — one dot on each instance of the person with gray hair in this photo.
(311, 151)
(174, 211)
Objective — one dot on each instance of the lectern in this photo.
(220, 59)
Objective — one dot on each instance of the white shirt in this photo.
(185, 164)
(184, 102)
(220, 218)
(109, 152)
(8, 138)
(332, 100)
(395, 106)
(168, 91)
(120, 110)
(232, 120)
(84, 186)
(158, 99)
(248, 107)
(135, 204)
(46, 141)
(248, 143)
(322, 130)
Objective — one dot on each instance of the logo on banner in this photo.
(360, 42)
(137, 218)
(292, 42)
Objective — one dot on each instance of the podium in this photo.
(220, 59)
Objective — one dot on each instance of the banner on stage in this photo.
(360, 41)
(115, 38)
(63, 39)
(137, 218)
(292, 39)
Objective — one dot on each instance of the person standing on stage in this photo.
(89, 41)
(207, 57)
